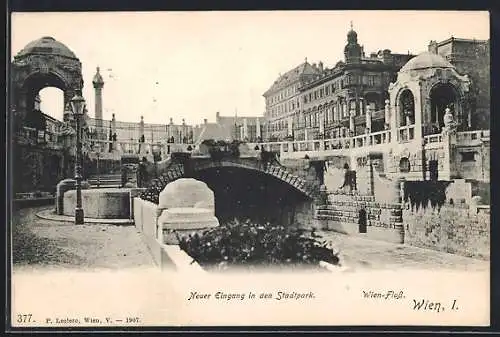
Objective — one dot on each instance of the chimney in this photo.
(433, 47)
(183, 121)
(171, 121)
(205, 121)
(320, 66)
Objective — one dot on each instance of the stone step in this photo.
(105, 178)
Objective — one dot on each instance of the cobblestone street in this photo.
(39, 243)
(360, 253)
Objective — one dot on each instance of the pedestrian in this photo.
(347, 179)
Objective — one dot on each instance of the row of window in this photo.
(313, 119)
(319, 93)
(283, 94)
(284, 108)
(329, 89)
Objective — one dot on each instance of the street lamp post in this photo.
(77, 107)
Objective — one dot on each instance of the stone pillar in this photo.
(418, 117)
(257, 129)
(369, 117)
(361, 105)
(449, 141)
(171, 128)
(245, 129)
(113, 124)
(322, 123)
(387, 115)
(290, 126)
(352, 126)
(141, 127)
(98, 84)
(393, 122)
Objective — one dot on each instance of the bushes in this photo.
(243, 243)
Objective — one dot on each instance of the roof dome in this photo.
(47, 45)
(426, 60)
(352, 36)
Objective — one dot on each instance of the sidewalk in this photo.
(44, 243)
(361, 253)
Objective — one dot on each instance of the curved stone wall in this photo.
(103, 203)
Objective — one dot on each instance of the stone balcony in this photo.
(375, 141)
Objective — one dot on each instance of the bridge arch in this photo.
(244, 189)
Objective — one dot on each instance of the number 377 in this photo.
(23, 318)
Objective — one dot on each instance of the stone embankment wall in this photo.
(457, 229)
(304, 169)
(342, 214)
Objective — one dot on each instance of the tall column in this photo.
(171, 129)
(368, 123)
(449, 142)
(290, 126)
(98, 85)
(257, 129)
(417, 112)
(352, 126)
(393, 122)
(387, 115)
(245, 129)
(141, 127)
(321, 123)
(368, 117)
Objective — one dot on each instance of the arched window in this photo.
(404, 165)
(406, 108)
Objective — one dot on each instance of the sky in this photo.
(192, 64)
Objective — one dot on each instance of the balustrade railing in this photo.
(469, 136)
(381, 137)
(437, 138)
(406, 133)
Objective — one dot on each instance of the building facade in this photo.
(283, 100)
(338, 102)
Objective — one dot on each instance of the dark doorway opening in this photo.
(433, 170)
(362, 220)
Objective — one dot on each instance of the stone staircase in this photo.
(345, 208)
(105, 181)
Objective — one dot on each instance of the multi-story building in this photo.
(282, 100)
(335, 102)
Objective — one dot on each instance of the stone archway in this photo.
(406, 103)
(442, 96)
(42, 63)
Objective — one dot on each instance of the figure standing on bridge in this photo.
(142, 173)
(349, 179)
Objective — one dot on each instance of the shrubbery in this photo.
(251, 245)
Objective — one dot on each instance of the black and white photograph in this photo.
(249, 168)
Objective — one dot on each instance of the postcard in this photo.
(249, 168)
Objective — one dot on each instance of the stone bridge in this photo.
(301, 180)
